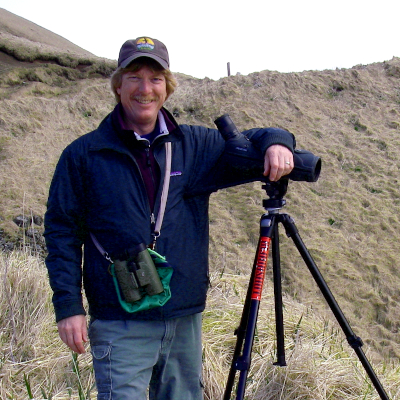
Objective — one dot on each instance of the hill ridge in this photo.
(19, 27)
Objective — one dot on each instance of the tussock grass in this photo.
(33, 359)
(36, 364)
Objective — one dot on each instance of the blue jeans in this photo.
(131, 356)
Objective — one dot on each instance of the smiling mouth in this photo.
(142, 100)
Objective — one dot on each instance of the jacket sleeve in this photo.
(64, 233)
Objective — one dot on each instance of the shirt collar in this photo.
(159, 130)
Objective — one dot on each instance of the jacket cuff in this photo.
(277, 136)
(68, 310)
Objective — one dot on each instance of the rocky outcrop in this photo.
(30, 235)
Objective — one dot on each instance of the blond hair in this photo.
(116, 77)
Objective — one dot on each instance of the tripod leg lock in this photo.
(239, 331)
(242, 364)
(288, 223)
(355, 342)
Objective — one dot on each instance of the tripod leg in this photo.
(247, 327)
(280, 335)
(354, 341)
(243, 363)
(240, 333)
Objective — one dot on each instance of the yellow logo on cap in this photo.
(145, 44)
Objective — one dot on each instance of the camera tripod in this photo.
(269, 238)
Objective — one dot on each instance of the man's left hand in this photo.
(278, 161)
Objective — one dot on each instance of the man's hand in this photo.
(73, 332)
(278, 161)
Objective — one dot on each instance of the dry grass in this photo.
(32, 133)
(35, 364)
(320, 364)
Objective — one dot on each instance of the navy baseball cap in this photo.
(143, 47)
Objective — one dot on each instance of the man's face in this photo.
(143, 93)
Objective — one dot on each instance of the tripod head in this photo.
(275, 191)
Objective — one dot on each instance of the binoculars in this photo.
(136, 274)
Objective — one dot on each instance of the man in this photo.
(106, 196)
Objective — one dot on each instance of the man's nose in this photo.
(145, 86)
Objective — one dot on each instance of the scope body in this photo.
(307, 166)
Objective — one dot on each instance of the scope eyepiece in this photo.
(227, 128)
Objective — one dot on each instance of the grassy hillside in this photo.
(349, 219)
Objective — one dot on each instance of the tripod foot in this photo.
(280, 363)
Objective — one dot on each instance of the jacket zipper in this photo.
(147, 149)
(152, 222)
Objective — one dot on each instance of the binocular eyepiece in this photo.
(307, 166)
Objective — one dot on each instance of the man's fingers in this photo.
(73, 332)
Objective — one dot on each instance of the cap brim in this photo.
(162, 62)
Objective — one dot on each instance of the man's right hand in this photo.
(73, 332)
